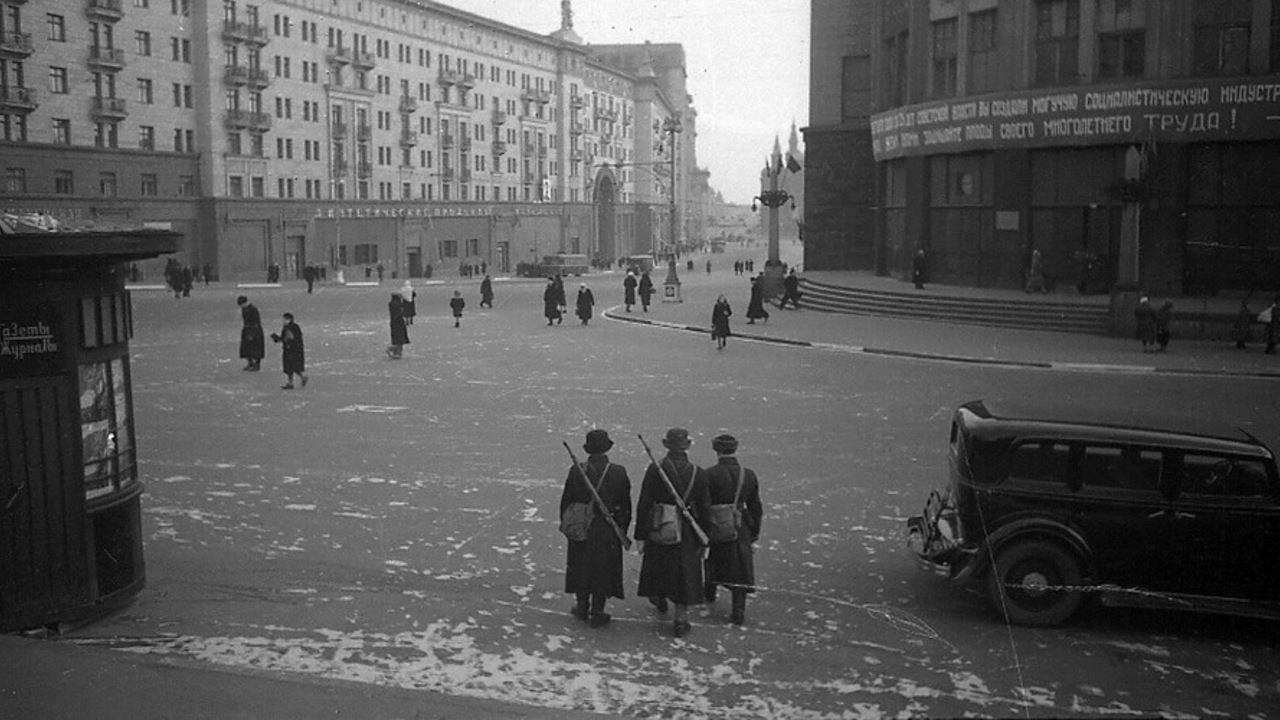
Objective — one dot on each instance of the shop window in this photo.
(1057, 48)
(106, 428)
(1221, 37)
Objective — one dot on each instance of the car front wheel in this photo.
(1034, 582)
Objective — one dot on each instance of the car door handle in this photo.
(1185, 516)
(1176, 515)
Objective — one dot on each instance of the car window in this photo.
(1044, 462)
(1127, 468)
(1218, 476)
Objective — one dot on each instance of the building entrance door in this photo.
(415, 262)
(295, 254)
(504, 257)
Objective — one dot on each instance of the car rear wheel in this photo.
(1028, 583)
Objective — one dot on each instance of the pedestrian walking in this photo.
(1146, 329)
(720, 313)
(646, 290)
(1164, 315)
(1271, 319)
(560, 298)
(293, 359)
(208, 273)
(733, 527)
(1035, 273)
(309, 275)
(456, 304)
(399, 333)
(551, 302)
(252, 341)
(629, 284)
(486, 292)
(585, 303)
(409, 297)
(671, 570)
(1242, 330)
(381, 270)
(919, 269)
(188, 278)
(755, 307)
(595, 492)
(790, 290)
(708, 267)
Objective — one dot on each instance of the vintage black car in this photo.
(1048, 513)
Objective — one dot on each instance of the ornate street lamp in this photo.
(773, 198)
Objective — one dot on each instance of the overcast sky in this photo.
(748, 66)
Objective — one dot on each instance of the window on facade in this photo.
(106, 135)
(258, 186)
(448, 248)
(1122, 43)
(1057, 42)
(15, 180)
(142, 42)
(1221, 37)
(63, 182)
(107, 184)
(855, 86)
(895, 80)
(983, 62)
(943, 67)
(150, 186)
(235, 186)
(57, 28)
(147, 137)
(235, 144)
(146, 95)
(58, 80)
(62, 131)
(106, 428)
(186, 185)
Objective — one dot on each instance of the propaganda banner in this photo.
(1217, 110)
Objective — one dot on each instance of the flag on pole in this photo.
(777, 170)
(792, 164)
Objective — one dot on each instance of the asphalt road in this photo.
(394, 523)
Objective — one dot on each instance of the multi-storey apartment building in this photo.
(1130, 141)
(348, 133)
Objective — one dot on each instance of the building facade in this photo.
(344, 133)
(1129, 141)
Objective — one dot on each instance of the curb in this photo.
(1096, 368)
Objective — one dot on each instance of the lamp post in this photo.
(671, 286)
(773, 198)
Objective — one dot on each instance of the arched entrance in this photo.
(605, 201)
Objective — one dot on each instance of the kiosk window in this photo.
(106, 428)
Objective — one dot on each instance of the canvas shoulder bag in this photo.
(665, 522)
(576, 518)
(725, 519)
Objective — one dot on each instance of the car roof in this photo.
(1075, 425)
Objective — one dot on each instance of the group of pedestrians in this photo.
(1269, 319)
(253, 344)
(555, 302)
(1153, 324)
(643, 285)
(695, 529)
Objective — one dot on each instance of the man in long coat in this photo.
(551, 302)
(585, 303)
(593, 568)
(399, 333)
(252, 340)
(673, 572)
(293, 359)
(755, 306)
(629, 290)
(646, 290)
(732, 563)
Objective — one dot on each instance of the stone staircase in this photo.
(1030, 313)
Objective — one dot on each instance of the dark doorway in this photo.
(606, 219)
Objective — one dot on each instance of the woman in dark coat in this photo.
(646, 290)
(486, 292)
(1146, 330)
(586, 301)
(732, 563)
(551, 302)
(720, 322)
(673, 572)
(399, 333)
(593, 568)
(293, 359)
(755, 308)
(1164, 316)
(629, 290)
(252, 340)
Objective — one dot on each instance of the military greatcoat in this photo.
(732, 563)
(673, 572)
(594, 566)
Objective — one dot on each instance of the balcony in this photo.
(241, 32)
(465, 145)
(338, 130)
(364, 133)
(364, 169)
(527, 151)
(607, 114)
(248, 120)
(446, 174)
(408, 138)
(450, 77)
(467, 80)
(17, 99)
(577, 128)
(363, 60)
(16, 43)
(338, 56)
(259, 78)
(499, 117)
(340, 168)
(577, 102)
(499, 148)
(109, 109)
(464, 176)
(542, 151)
(408, 104)
(575, 155)
(104, 58)
(104, 10)
(236, 75)
(446, 141)
(538, 96)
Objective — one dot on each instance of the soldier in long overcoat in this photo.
(593, 568)
(252, 339)
(673, 572)
(732, 563)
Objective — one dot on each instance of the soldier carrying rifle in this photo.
(595, 511)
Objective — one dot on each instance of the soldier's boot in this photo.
(738, 615)
(599, 618)
(680, 626)
(581, 608)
